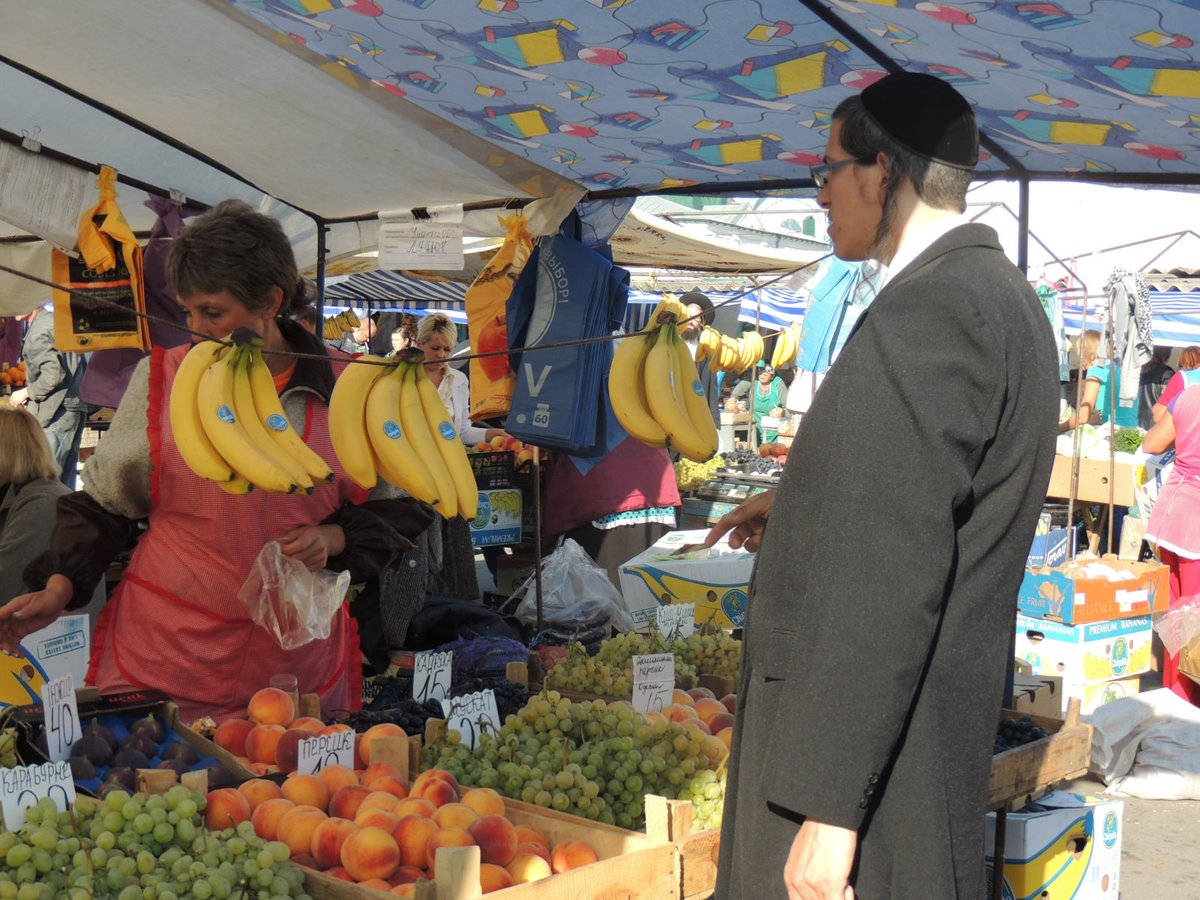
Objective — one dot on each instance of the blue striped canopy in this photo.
(1176, 317)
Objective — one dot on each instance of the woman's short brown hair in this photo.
(1190, 358)
(26, 453)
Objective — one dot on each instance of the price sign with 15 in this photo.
(431, 675)
(653, 681)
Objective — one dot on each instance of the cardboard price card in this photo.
(24, 786)
(473, 716)
(431, 676)
(315, 753)
(677, 620)
(62, 717)
(432, 242)
(653, 681)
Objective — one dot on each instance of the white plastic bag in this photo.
(295, 605)
(1180, 626)
(575, 592)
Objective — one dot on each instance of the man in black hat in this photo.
(701, 312)
(884, 597)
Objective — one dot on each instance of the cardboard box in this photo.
(1065, 846)
(1094, 480)
(62, 646)
(1099, 651)
(1189, 660)
(1095, 694)
(498, 520)
(717, 584)
(1039, 695)
(1073, 596)
(1048, 549)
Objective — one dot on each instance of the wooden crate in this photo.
(1033, 768)
(671, 821)
(631, 866)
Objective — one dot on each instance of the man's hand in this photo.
(27, 613)
(818, 866)
(313, 544)
(19, 398)
(744, 524)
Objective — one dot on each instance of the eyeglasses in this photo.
(820, 174)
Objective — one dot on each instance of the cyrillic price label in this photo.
(473, 716)
(62, 717)
(24, 786)
(315, 753)
(676, 620)
(431, 675)
(653, 681)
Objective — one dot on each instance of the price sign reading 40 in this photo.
(473, 716)
(62, 717)
(431, 675)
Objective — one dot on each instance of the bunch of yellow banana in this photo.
(787, 345)
(389, 420)
(336, 326)
(735, 354)
(710, 344)
(230, 426)
(655, 391)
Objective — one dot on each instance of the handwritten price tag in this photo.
(435, 242)
(431, 676)
(24, 786)
(677, 620)
(62, 717)
(653, 681)
(315, 753)
(473, 716)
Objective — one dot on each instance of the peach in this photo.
(435, 790)
(225, 808)
(722, 720)
(389, 784)
(730, 702)
(297, 825)
(498, 442)
(682, 697)
(406, 874)
(337, 777)
(569, 855)
(455, 814)
(267, 815)
(261, 769)
(534, 849)
(306, 790)
(699, 693)
(370, 853)
(429, 775)
(725, 735)
(305, 859)
(379, 800)
(493, 878)
(405, 890)
(287, 750)
(376, 884)
(262, 742)
(258, 790)
(496, 837)
(231, 735)
(678, 712)
(340, 873)
(531, 834)
(271, 706)
(345, 801)
(309, 723)
(707, 707)
(376, 818)
(383, 729)
(714, 748)
(335, 728)
(377, 770)
(698, 725)
(412, 835)
(445, 837)
(527, 867)
(415, 806)
(327, 841)
(484, 801)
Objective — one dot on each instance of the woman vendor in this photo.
(769, 397)
(175, 622)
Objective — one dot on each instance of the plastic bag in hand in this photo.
(576, 593)
(295, 605)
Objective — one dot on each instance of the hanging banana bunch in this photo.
(787, 345)
(655, 390)
(230, 426)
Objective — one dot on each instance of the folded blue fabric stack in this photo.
(566, 292)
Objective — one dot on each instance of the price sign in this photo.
(24, 786)
(62, 717)
(431, 676)
(473, 716)
(315, 753)
(653, 681)
(432, 242)
(677, 620)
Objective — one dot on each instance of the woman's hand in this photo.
(28, 613)
(313, 544)
(491, 433)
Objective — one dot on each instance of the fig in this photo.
(183, 751)
(93, 747)
(96, 730)
(123, 777)
(140, 742)
(131, 758)
(82, 768)
(219, 777)
(150, 727)
(176, 765)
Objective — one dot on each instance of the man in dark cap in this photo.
(884, 596)
(701, 312)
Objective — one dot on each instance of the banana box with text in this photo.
(498, 520)
(63, 646)
(1094, 591)
(717, 580)
(1066, 846)
(1085, 655)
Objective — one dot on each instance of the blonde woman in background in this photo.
(1101, 378)
(436, 338)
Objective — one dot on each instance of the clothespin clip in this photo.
(30, 142)
(420, 212)
(178, 197)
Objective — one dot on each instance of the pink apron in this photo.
(175, 622)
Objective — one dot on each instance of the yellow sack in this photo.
(107, 291)
(492, 380)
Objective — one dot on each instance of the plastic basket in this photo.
(493, 469)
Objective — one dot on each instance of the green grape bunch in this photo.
(610, 672)
(692, 475)
(8, 748)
